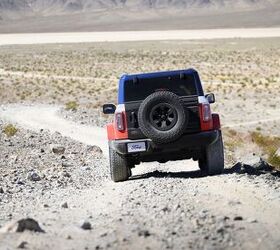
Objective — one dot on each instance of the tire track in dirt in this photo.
(163, 206)
(45, 117)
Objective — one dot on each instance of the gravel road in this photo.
(163, 206)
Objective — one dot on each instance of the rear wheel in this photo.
(212, 163)
(119, 166)
(201, 163)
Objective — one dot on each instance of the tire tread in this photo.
(119, 169)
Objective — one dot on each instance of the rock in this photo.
(22, 225)
(22, 244)
(252, 165)
(65, 174)
(250, 159)
(85, 168)
(262, 166)
(226, 218)
(238, 218)
(95, 150)
(33, 176)
(252, 220)
(234, 203)
(57, 149)
(64, 205)
(144, 233)
(19, 182)
(86, 226)
(66, 165)
(221, 230)
(1, 190)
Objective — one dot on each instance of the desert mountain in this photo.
(59, 6)
(90, 15)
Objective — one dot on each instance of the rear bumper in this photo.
(188, 141)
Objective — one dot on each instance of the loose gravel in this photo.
(64, 186)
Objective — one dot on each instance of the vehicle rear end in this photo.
(163, 116)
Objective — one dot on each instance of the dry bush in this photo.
(10, 130)
(270, 145)
(72, 105)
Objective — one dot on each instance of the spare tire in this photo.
(162, 117)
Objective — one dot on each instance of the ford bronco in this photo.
(163, 116)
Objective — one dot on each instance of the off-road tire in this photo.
(212, 162)
(119, 167)
(148, 128)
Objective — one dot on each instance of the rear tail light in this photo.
(120, 124)
(206, 112)
(206, 121)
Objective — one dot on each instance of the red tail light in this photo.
(120, 121)
(206, 122)
(206, 112)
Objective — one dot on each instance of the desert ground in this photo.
(54, 162)
(129, 36)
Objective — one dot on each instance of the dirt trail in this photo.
(36, 75)
(45, 117)
(164, 206)
(38, 117)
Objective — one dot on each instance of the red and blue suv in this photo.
(163, 116)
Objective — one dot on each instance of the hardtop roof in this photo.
(126, 77)
(157, 74)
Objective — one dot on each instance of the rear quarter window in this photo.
(139, 89)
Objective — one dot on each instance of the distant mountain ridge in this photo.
(109, 15)
(60, 6)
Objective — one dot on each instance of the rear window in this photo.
(139, 89)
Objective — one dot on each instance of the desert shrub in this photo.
(10, 130)
(72, 105)
(232, 139)
(265, 141)
(270, 145)
(273, 158)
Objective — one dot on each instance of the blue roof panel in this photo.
(159, 74)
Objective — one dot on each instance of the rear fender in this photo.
(216, 121)
(112, 132)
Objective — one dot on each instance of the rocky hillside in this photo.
(56, 6)
(108, 15)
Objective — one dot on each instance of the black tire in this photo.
(202, 163)
(212, 163)
(130, 164)
(162, 117)
(119, 167)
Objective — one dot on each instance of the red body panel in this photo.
(216, 121)
(110, 131)
(114, 134)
